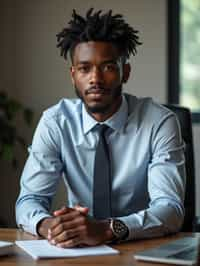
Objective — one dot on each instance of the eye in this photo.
(111, 67)
(83, 68)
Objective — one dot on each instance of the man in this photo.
(146, 174)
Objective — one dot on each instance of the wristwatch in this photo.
(119, 229)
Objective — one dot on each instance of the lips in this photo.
(97, 91)
(97, 94)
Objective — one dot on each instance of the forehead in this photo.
(95, 51)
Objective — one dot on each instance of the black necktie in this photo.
(102, 179)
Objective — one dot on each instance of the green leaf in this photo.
(13, 107)
(9, 137)
(7, 152)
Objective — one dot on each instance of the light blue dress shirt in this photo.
(147, 152)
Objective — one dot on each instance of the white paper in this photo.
(6, 247)
(42, 249)
(5, 244)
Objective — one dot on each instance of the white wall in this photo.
(39, 76)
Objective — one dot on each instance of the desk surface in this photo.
(125, 258)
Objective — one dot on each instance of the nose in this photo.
(96, 76)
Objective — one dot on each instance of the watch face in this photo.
(120, 230)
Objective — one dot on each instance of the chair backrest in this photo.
(184, 116)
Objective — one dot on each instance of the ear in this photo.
(72, 71)
(126, 72)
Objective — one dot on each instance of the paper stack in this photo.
(6, 247)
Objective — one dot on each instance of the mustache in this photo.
(96, 88)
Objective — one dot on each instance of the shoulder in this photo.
(147, 110)
(56, 121)
(65, 109)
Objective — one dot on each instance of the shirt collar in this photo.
(116, 121)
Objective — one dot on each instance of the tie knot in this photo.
(102, 128)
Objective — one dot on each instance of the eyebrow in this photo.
(111, 61)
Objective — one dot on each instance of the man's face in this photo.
(97, 74)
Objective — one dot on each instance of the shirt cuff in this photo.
(32, 226)
(130, 223)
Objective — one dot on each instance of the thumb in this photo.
(81, 209)
(61, 211)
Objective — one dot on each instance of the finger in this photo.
(83, 210)
(68, 216)
(64, 236)
(57, 227)
(54, 223)
(74, 242)
(69, 222)
(62, 211)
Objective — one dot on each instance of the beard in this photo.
(102, 108)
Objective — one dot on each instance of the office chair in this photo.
(184, 116)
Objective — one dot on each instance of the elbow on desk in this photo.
(174, 223)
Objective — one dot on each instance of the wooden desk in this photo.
(125, 258)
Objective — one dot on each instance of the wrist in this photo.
(119, 229)
(108, 234)
(43, 226)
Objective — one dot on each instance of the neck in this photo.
(102, 116)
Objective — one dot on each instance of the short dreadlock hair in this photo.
(98, 27)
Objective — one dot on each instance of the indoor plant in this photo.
(11, 111)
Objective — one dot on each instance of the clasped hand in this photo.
(70, 227)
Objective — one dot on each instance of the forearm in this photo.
(29, 213)
(155, 221)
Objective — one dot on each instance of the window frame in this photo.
(173, 32)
